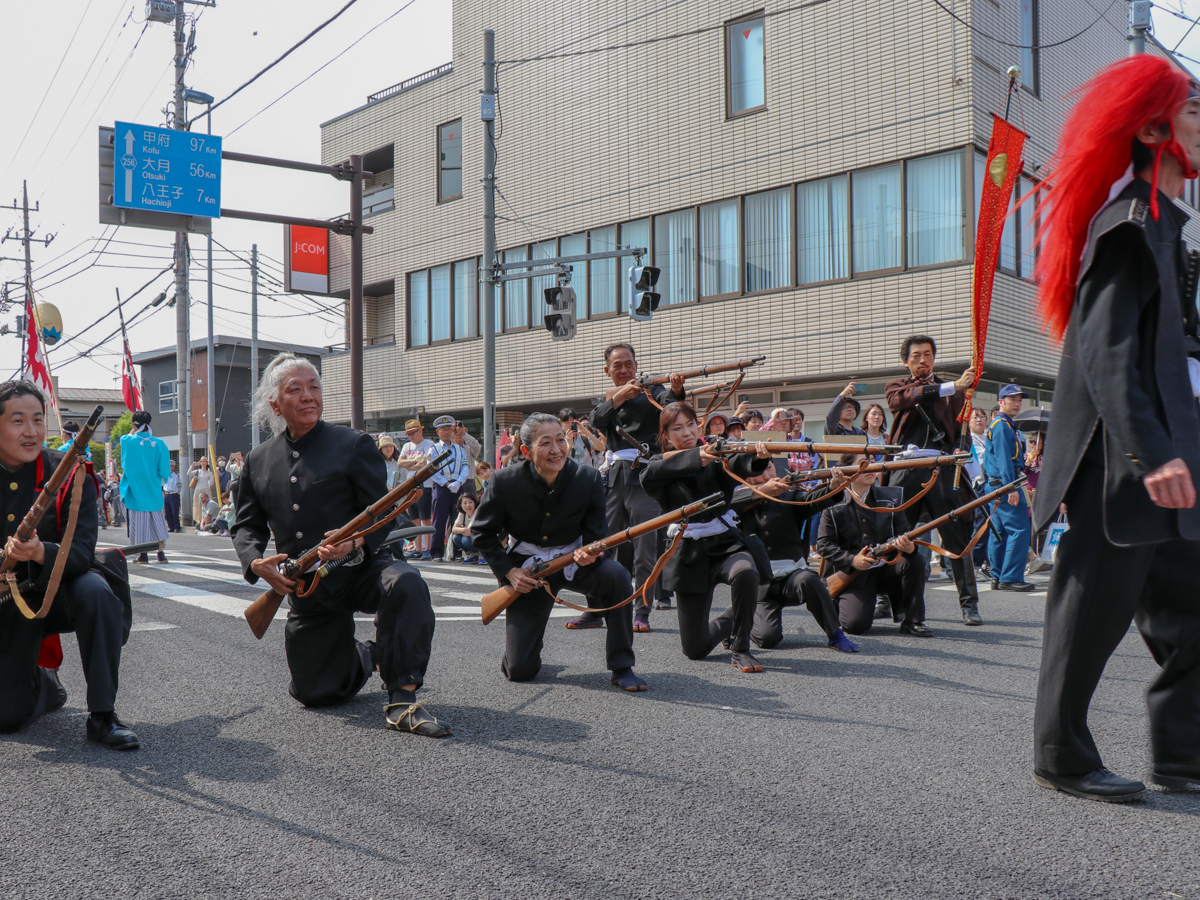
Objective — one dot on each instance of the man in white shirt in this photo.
(415, 453)
(447, 483)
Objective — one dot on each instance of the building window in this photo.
(602, 285)
(633, 234)
(934, 196)
(675, 255)
(1029, 43)
(576, 245)
(439, 303)
(539, 285)
(516, 293)
(822, 231)
(378, 201)
(877, 219)
(450, 161)
(1025, 220)
(719, 243)
(167, 395)
(466, 304)
(768, 224)
(747, 66)
(418, 308)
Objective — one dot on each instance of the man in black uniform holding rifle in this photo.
(551, 505)
(626, 406)
(303, 483)
(1123, 450)
(926, 411)
(84, 603)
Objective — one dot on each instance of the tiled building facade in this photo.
(803, 174)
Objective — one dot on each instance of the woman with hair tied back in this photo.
(713, 549)
(306, 480)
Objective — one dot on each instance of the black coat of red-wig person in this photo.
(1095, 150)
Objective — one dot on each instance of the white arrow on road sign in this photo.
(128, 168)
(129, 142)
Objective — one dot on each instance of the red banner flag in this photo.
(34, 366)
(131, 391)
(1004, 162)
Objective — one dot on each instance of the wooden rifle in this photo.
(500, 599)
(919, 462)
(646, 381)
(49, 491)
(730, 447)
(839, 581)
(260, 613)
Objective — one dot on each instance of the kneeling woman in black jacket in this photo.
(713, 549)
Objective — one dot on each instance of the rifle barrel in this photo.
(954, 513)
(704, 371)
(806, 447)
(921, 462)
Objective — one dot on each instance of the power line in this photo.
(83, 331)
(997, 40)
(53, 78)
(318, 71)
(658, 39)
(276, 62)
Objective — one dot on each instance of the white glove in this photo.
(454, 486)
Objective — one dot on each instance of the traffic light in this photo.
(561, 321)
(643, 300)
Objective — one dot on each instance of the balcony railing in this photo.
(411, 82)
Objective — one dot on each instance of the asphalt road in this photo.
(901, 772)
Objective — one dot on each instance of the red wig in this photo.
(1095, 150)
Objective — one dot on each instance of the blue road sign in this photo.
(167, 171)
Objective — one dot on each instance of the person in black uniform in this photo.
(308, 479)
(1123, 450)
(847, 530)
(926, 410)
(84, 603)
(626, 406)
(783, 529)
(549, 504)
(713, 550)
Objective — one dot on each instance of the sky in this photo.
(92, 62)
(95, 61)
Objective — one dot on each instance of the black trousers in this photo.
(904, 585)
(328, 665)
(956, 534)
(85, 605)
(1096, 589)
(801, 587)
(171, 511)
(697, 634)
(604, 583)
(628, 504)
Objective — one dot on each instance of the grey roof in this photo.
(95, 395)
(226, 340)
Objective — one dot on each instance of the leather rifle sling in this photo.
(60, 560)
(925, 489)
(640, 592)
(753, 489)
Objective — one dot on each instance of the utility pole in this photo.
(27, 239)
(210, 374)
(183, 377)
(1139, 23)
(487, 113)
(253, 339)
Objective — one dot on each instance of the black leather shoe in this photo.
(883, 609)
(971, 616)
(916, 629)
(413, 718)
(1100, 785)
(60, 692)
(1176, 781)
(1020, 587)
(107, 729)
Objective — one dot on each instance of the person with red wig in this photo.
(1124, 445)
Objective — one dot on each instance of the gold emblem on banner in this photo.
(998, 168)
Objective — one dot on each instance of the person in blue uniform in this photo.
(1003, 461)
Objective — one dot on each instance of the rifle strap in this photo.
(60, 560)
(640, 592)
(755, 490)
(409, 500)
(925, 489)
(966, 551)
(654, 402)
(717, 399)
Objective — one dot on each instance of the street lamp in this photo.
(203, 99)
